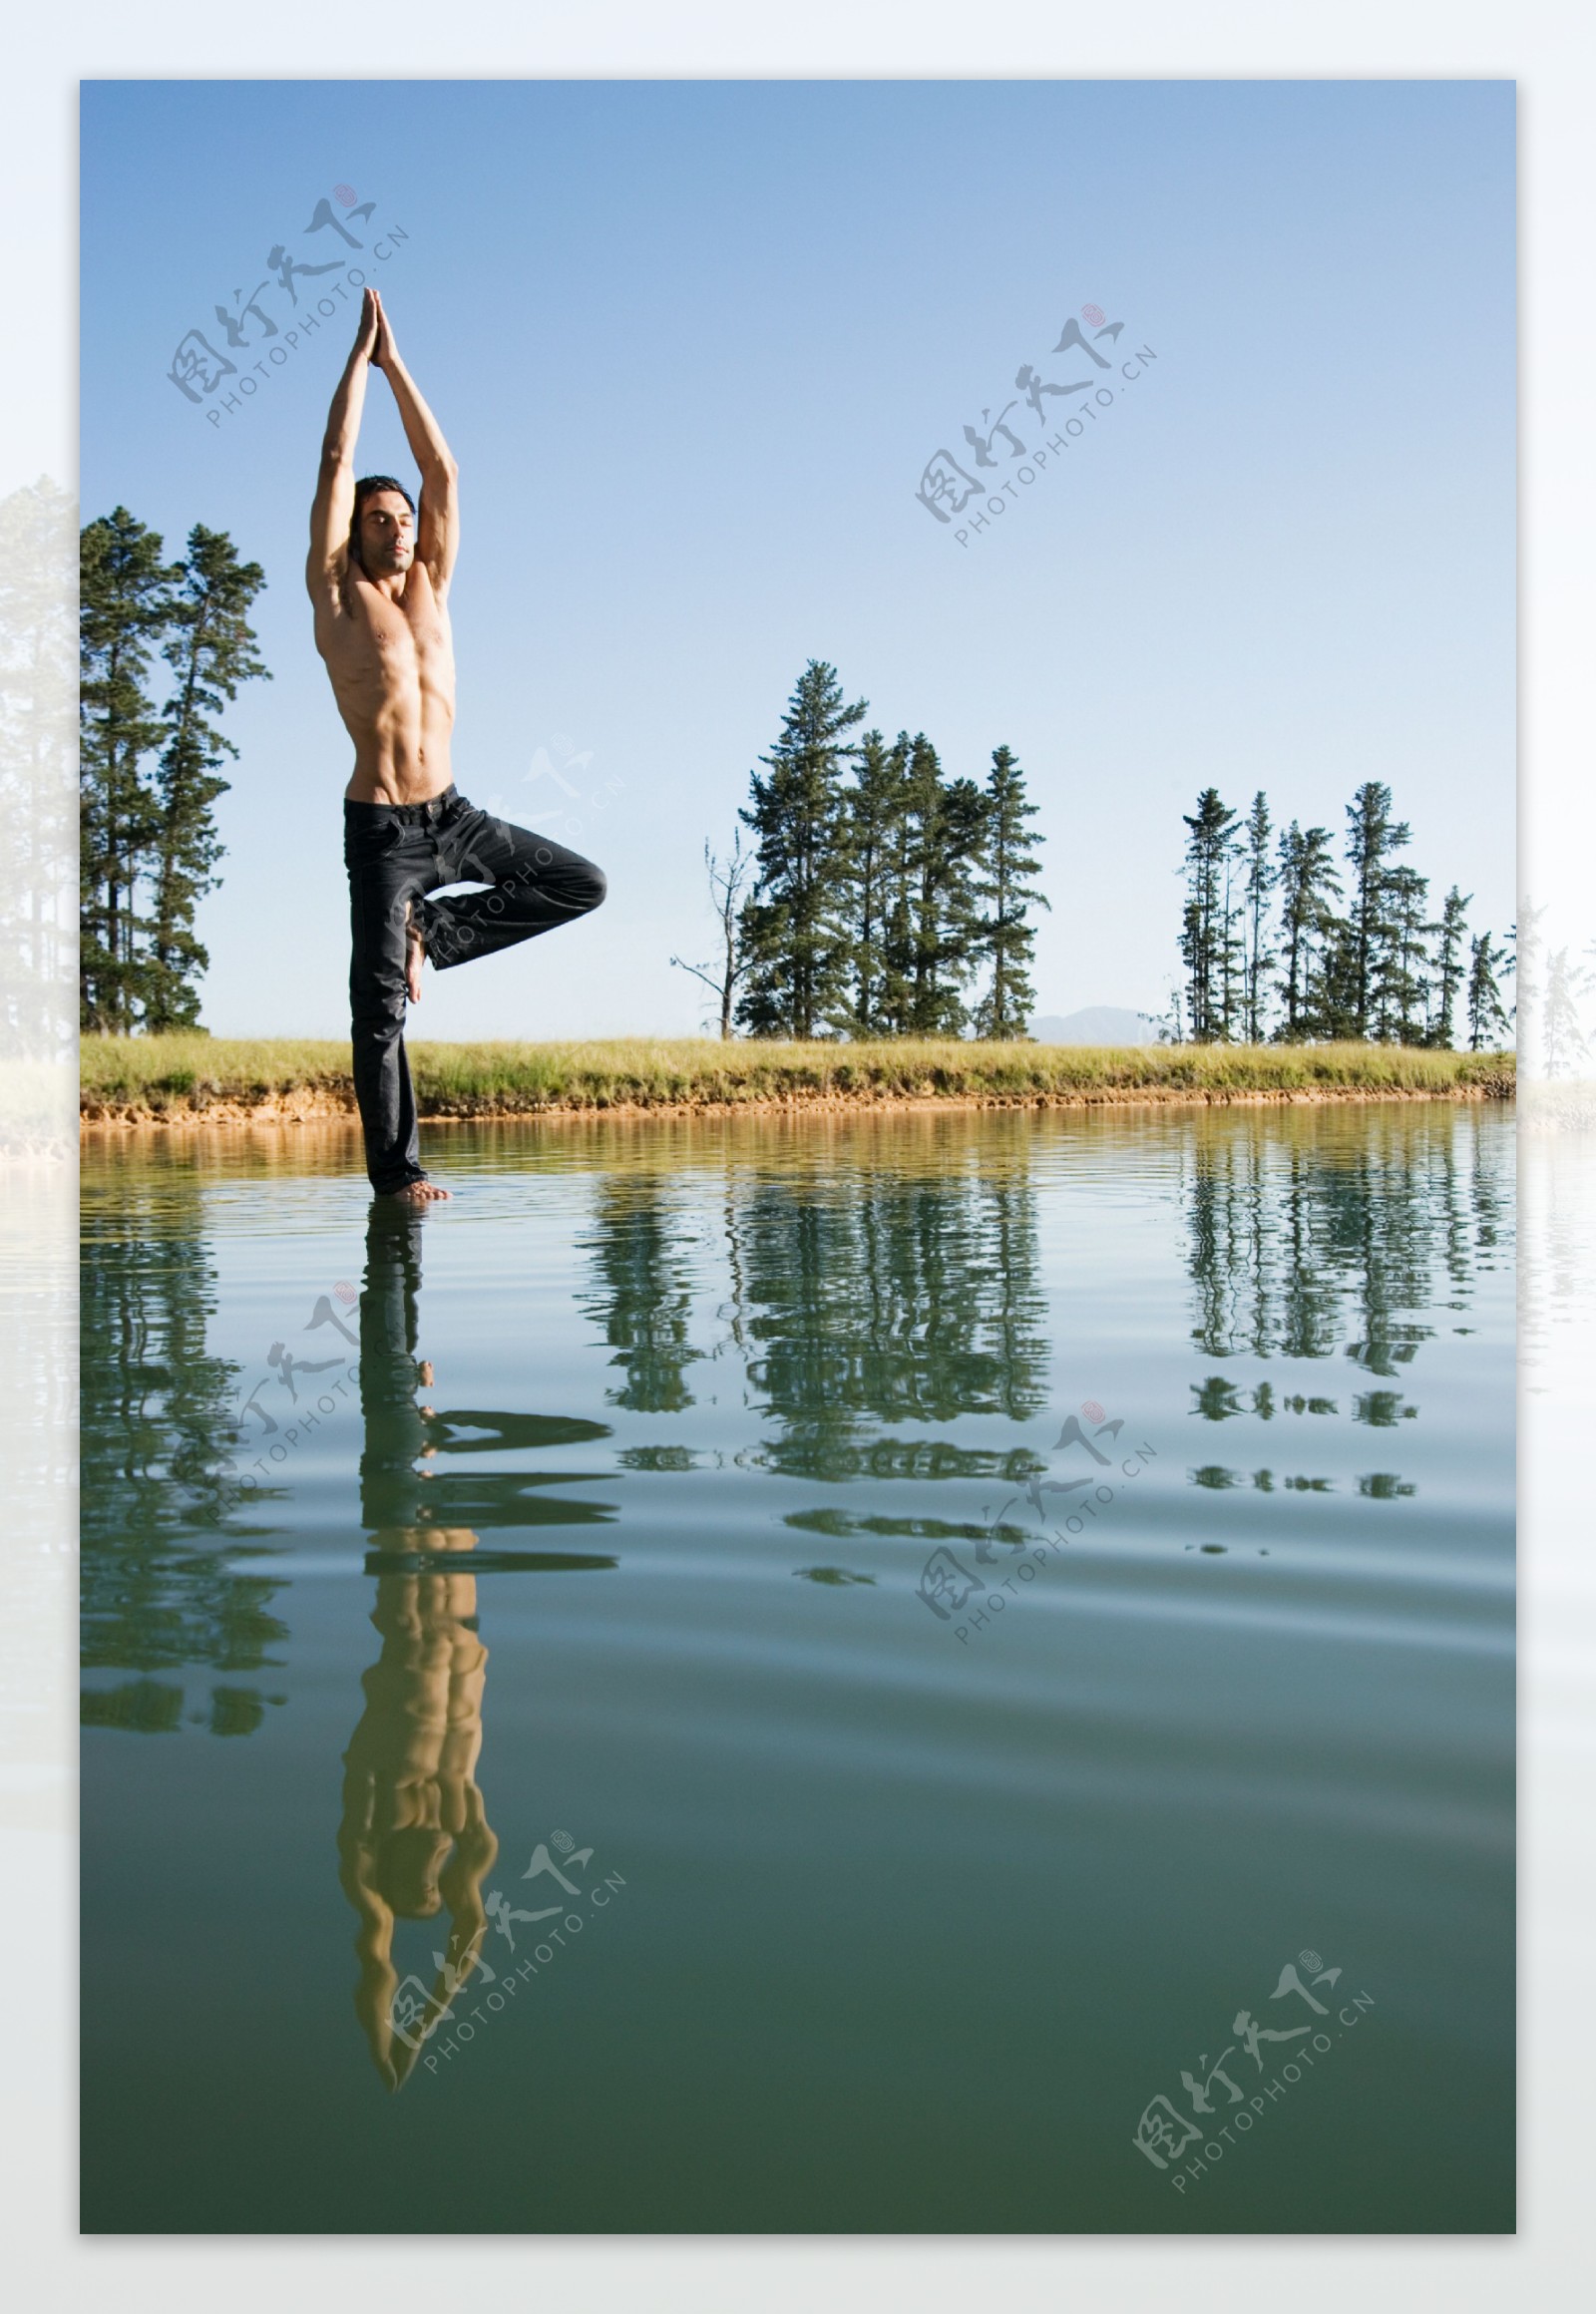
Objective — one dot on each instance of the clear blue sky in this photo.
(693, 345)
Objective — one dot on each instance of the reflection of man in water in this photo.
(415, 1839)
(415, 1842)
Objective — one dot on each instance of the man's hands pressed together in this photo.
(384, 350)
(369, 326)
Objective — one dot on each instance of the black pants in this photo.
(395, 853)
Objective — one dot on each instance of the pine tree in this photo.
(1371, 837)
(1308, 885)
(1332, 990)
(211, 651)
(945, 827)
(1207, 934)
(895, 994)
(125, 603)
(1006, 884)
(796, 947)
(872, 823)
(1400, 991)
(1262, 877)
(1451, 970)
(1232, 952)
(1486, 1020)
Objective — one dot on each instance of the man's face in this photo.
(387, 534)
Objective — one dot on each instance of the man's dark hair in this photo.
(367, 487)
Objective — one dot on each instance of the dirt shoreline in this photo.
(315, 1105)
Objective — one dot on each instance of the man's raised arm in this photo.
(438, 526)
(333, 507)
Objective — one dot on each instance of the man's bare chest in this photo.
(395, 643)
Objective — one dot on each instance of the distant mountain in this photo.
(1097, 1024)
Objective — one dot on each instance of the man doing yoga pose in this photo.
(378, 574)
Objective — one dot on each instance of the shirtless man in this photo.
(378, 574)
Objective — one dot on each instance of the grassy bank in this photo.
(193, 1079)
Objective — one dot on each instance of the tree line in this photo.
(881, 898)
(150, 774)
(1280, 941)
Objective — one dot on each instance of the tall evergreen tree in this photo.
(945, 827)
(895, 992)
(1486, 1018)
(1309, 886)
(211, 651)
(125, 603)
(797, 948)
(1333, 991)
(1207, 934)
(1379, 970)
(871, 851)
(1401, 992)
(1451, 968)
(1232, 950)
(1006, 887)
(1371, 837)
(1262, 877)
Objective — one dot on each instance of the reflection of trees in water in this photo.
(644, 1300)
(856, 1298)
(1305, 1244)
(158, 1433)
(903, 1301)
(1298, 1251)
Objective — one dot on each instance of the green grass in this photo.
(175, 1076)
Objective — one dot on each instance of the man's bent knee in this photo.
(378, 1014)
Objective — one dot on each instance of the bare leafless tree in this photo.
(728, 887)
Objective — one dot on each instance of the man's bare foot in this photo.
(418, 1193)
(415, 953)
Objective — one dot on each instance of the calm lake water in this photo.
(938, 1672)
